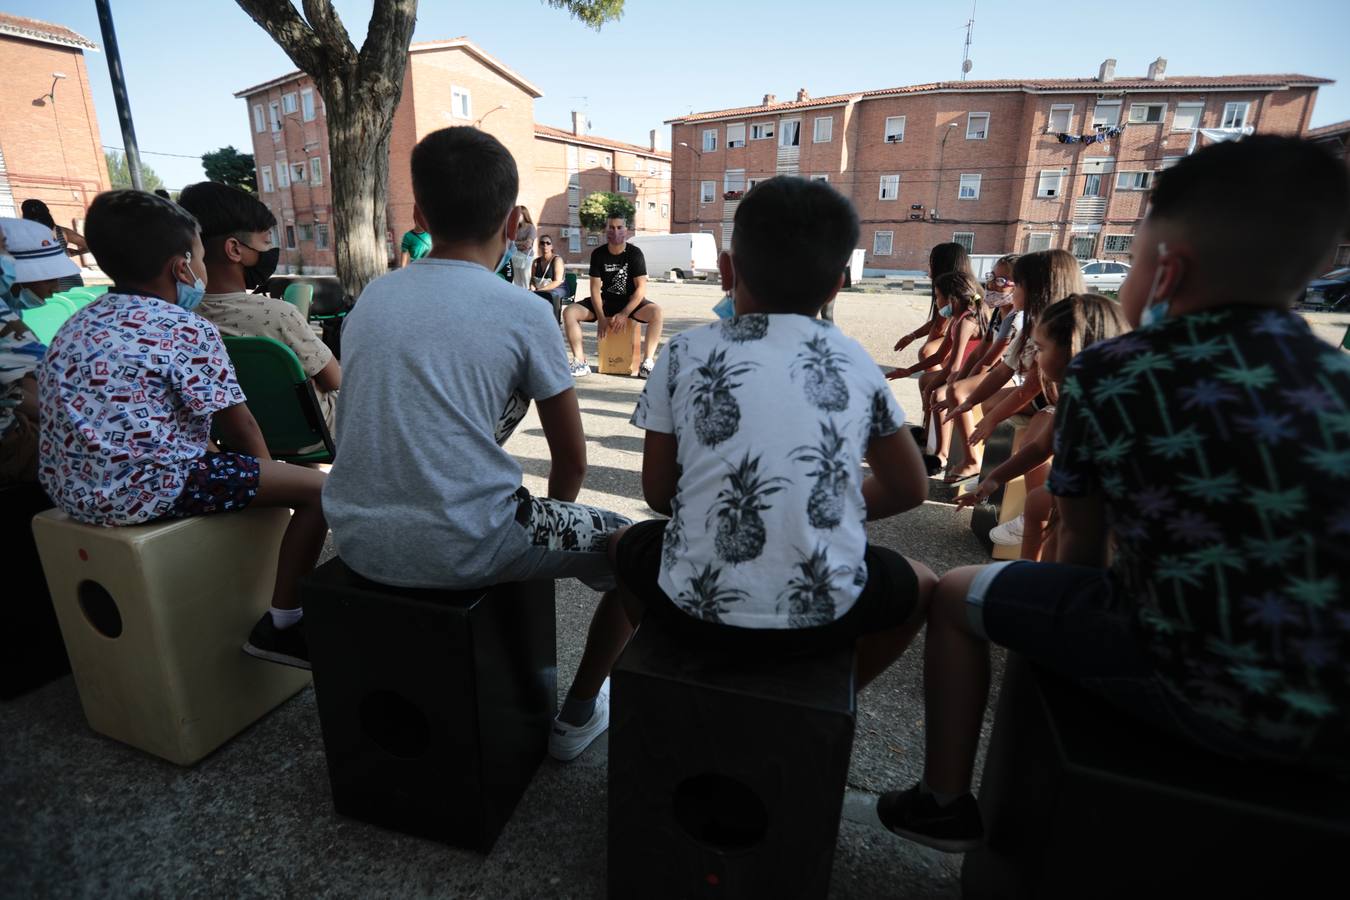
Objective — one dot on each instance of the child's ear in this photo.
(418, 219)
(727, 269)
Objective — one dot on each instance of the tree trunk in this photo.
(358, 140)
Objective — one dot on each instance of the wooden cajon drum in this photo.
(1014, 499)
(154, 618)
(621, 354)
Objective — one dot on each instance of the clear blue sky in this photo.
(668, 57)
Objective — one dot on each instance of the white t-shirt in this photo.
(772, 415)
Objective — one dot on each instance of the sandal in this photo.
(953, 478)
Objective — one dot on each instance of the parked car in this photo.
(688, 255)
(1330, 292)
(1101, 275)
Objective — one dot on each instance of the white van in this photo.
(688, 255)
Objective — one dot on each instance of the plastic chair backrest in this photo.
(570, 280)
(1345, 341)
(45, 320)
(299, 295)
(280, 396)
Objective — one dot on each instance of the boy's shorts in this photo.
(217, 482)
(567, 540)
(1073, 621)
(613, 305)
(887, 601)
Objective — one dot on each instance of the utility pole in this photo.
(119, 86)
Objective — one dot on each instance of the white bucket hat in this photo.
(38, 255)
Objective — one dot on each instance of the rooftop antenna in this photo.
(966, 63)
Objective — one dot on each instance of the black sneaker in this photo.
(279, 645)
(952, 829)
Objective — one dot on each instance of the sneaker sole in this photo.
(281, 658)
(946, 845)
(571, 752)
(1007, 542)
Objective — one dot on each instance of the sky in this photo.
(666, 58)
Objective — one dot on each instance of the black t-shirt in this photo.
(617, 274)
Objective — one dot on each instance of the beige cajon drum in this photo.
(621, 353)
(153, 618)
(1014, 499)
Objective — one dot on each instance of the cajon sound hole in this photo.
(395, 724)
(99, 608)
(720, 812)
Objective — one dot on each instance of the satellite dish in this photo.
(966, 65)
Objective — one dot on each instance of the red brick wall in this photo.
(53, 152)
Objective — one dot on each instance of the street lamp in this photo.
(942, 147)
(692, 181)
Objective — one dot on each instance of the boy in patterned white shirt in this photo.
(757, 427)
(128, 392)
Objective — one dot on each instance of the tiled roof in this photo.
(593, 141)
(1029, 85)
(1325, 131)
(34, 30)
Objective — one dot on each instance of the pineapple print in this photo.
(705, 598)
(740, 529)
(745, 328)
(824, 382)
(825, 506)
(717, 415)
(674, 351)
(809, 596)
(883, 421)
(673, 544)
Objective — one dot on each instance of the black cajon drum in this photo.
(34, 653)
(726, 777)
(435, 705)
(1080, 801)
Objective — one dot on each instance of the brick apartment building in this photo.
(1336, 138)
(446, 83)
(1000, 166)
(49, 142)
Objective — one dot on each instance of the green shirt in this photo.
(416, 245)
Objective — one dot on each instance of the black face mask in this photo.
(256, 275)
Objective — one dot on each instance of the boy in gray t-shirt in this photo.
(441, 360)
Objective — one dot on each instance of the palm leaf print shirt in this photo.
(1219, 443)
(772, 415)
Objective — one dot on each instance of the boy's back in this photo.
(772, 415)
(421, 494)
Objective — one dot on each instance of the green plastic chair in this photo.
(1345, 341)
(570, 282)
(300, 295)
(45, 320)
(281, 398)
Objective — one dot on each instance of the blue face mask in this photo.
(189, 295)
(8, 273)
(1155, 310)
(506, 255)
(726, 307)
(946, 311)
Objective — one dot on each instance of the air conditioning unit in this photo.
(918, 206)
(918, 216)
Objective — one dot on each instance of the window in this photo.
(307, 104)
(315, 170)
(626, 185)
(461, 103)
(1187, 117)
(272, 236)
(274, 112)
(609, 161)
(265, 173)
(823, 131)
(283, 174)
(1081, 246)
(895, 129)
(790, 133)
(890, 187)
(965, 239)
(825, 178)
(1134, 181)
(1235, 114)
(288, 104)
(290, 237)
(1170, 161)
(1038, 241)
(882, 242)
(707, 190)
(307, 232)
(592, 240)
(1094, 269)
(1147, 113)
(651, 169)
(1106, 115)
(733, 180)
(977, 126)
(761, 132)
(735, 136)
(1061, 118)
(970, 187)
(321, 236)
(592, 159)
(710, 140)
(665, 210)
(1051, 183)
(751, 182)
(297, 173)
(1118, 243)
(258, 122)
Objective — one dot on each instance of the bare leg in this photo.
(653, 318)
(955, 686)
(1035, 513)
(877, 651)
(573, 316)
(297, 488)
(613, 623)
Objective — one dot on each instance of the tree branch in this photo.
(323, 18)
(280, 19)
(384, 55)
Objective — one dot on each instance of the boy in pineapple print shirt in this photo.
(757, 427)
(1213, 445)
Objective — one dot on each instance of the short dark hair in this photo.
(1265, 210)
(37, 211)
(791, 240)
(223, 212)
(465, 183)
(160, 192)
(133, 233)
(609, 217)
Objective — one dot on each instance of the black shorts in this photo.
(887, 601)
(613, 305)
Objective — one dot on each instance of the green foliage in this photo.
(120, 174)
(591, 12)
(601, 205)
(228, 166)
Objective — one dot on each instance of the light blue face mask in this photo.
(190, 295)
(946, 311)
(506, 255)
(8, 273)
(726, 307)
(1155, 311)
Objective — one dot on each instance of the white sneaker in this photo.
(566, 742)
(580, 369)
(1009, 534)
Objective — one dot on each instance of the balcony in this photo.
(1089, 210)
